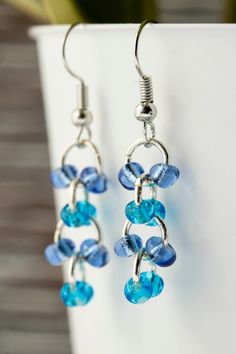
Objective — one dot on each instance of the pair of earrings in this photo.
(77, 213)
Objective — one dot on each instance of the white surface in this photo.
(194, 75)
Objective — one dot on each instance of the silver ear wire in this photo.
(81, 116)
(145, 111)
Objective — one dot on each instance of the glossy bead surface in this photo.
(162, 255)
(61, 177)
(164, 175)
(138, 293)
(128, 245)
(129, 173)
(78, 217)
(159, 211)
(94, 253)
(78, 294)
(140, 214)
(93, 180)
(157, 282)
(57, 253)
(66, 247)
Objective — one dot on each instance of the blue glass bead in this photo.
(140, 214)
(66, 247)
(78, 294)
(128, 245)
(159, 211)
(94, 253)
(140, 292)
(53, 256)
(80, 216)
(93, 180)
(129, 173)
(157, 282)
(164, 175)
(57, 253)
(160, 254)
(61, 177)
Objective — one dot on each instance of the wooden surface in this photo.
(32, 319)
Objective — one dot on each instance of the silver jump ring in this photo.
(57, 232)
(145, 132)
(137, 65)
(72, 192)
(141, 142)
(77, 261)
(84, 143)
(160, 224)
(137, 265)
(82, 129)
(144, 179)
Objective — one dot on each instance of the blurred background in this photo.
(32, 319)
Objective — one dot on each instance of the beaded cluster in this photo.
(75, 214)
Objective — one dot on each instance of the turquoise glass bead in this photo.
(157, 282)
(138, 293)
(78, 294)
(140, 214)
(128, 245)
(159, 211)
(164, 175)
(80, 216)
(160, 254)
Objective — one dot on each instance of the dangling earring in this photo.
(78, 213)
(157, 250)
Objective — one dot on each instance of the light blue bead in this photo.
(157, 282)
(61, 177)
(80, 216)
(140, 214)
(93, 180)
(138, 293)
(57, 253)
(53, 256)
(94, 253)
(162, 255)
(159, 211)
(129, 173)
(78, 294)
(128, 245)
(164, 175)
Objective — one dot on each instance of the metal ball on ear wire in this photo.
(145, 112)
(81, 117)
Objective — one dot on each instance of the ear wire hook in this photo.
(137, 64)
(81, 116)
(145, 111)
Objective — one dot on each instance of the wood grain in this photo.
(32, 318)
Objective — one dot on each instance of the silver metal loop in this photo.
(57, 232)
(151, 127)
(141, 142)
(76, 263)
(80, 144)
(74, 185)
(84, 128)
(98, 229)
(137, 265)
(137, 64)
(160, 224)
(144, 180)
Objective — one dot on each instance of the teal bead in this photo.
(157, 282)
(78, 294)
(159, 211)
(140, 214)
(80, 216)
(138, 293)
